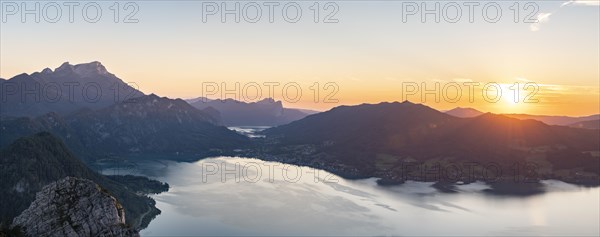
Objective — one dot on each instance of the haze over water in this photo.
(203, 199)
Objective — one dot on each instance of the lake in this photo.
(244, 196)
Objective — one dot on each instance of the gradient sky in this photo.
(368, 54)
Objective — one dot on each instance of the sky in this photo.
(367, 52)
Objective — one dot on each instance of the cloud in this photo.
(580, 2)
(545, 17)
(555, 89)
(541, 18)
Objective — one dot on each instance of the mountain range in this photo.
(144, 125)
(119, 121)
(368, 140)
(547, 119)
(55, 123)
(377, 140)
(266, 112)
(589, 124)
(64, 90)
(464, 112)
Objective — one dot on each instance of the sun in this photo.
(512, 97)
(511, 93)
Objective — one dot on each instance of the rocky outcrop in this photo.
(73, 207)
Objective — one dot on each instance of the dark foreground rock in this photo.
(74, 207)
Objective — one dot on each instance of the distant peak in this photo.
(464, 112)
(198, 99)
(84, 69)
(270, 100)
(489, 115)
(22, 75)
(47, 71)
(464, 108)
(94, 67)
(397, 103)
(64, 67)
(267, 101)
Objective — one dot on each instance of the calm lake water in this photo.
(270, 198)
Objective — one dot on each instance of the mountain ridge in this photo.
(147, 124)
(358, 138)
(547, 119)
(66, 89)
(266, 112)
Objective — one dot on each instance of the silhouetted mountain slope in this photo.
(153, 124)
(591, 124)
(365, 126)
(66, 89)
(464, 112)
(491, 137)
(547, 119)
(147, 124)
(215, 114)
(13, 128)
(359, 137)
(555, 120)
(267, 112)
(32, 162)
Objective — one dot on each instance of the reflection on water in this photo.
(270, 198)
(250, 131)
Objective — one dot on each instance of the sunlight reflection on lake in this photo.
(271, 199)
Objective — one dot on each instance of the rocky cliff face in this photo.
(74, 207)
